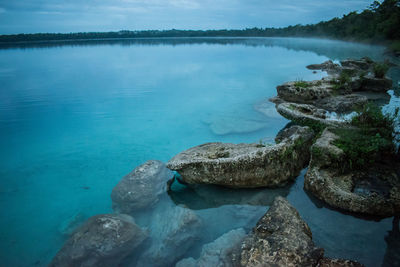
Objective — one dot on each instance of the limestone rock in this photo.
(245, 165)
(104, 240)
(280, 238)
(141, 188)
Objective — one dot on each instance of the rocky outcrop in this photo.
(141, 188)
(245, 165)
(218, 253)
(330, 99)
(104, 240)
(351, 76)
(173, 230)
(374, 191)
(308, 115)
(280, 238)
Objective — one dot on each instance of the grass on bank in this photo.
(372, 141)
(380, 69)
(301, 84)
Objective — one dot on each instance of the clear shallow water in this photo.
(75, 118)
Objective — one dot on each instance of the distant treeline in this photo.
(380, 22)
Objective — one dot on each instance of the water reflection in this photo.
(392, 255)
(332, 49)
(199, 197)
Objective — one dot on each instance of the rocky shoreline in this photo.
(281, 237)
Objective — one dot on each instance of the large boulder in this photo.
(375, 191)
(104, 240)
(280, 238)
(173, 230)
(141, 188)
(245, 165)
(218, 253)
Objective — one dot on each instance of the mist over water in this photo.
(76, 117)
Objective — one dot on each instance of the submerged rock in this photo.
(173, 230)
(375, 191)
(224, 124)
(141, 188)
(267, 108)
(72, 223)
(245, 165)
(218, 253)
(104, 240)
(280, 238)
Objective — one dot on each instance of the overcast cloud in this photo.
(19, 16)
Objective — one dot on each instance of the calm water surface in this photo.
(76, 117)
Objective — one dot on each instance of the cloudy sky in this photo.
(29, 16)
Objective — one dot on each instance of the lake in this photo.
(75, 117)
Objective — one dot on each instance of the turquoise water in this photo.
(76, 117)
